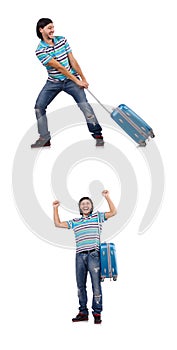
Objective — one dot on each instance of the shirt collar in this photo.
(86, 217)
(43, 43)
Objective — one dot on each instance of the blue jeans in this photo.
(89, 262)
(50, 91)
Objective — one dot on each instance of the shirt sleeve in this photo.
(101, 216)
(43, 56)
(70, 224)
(67, 46)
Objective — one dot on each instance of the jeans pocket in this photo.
(95, 254)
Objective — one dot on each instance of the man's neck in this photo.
(86, 215)
(49, 41)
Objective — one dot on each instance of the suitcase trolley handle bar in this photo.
(101, 104)
(109, 262)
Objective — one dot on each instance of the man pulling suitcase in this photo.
(64, 74)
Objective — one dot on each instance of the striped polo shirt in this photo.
(87, 231)
(58, 51)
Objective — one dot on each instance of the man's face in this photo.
(47, 32)
(86, 207)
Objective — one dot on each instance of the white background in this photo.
(127, 50)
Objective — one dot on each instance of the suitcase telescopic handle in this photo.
(101, 104)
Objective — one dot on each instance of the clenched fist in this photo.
(105, 193)
(56, 204)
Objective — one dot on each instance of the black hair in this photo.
(82, 199)
(41, 24)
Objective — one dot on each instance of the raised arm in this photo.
(56, 218)
(113, 210)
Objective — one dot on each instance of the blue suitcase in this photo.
(130, 122)
(108, 261)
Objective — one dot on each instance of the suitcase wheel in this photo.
(152, 134)
(114, 278)
(142, 144)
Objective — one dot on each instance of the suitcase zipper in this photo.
(141, 132)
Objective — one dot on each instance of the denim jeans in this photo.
(89, 262)
(50, 91)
